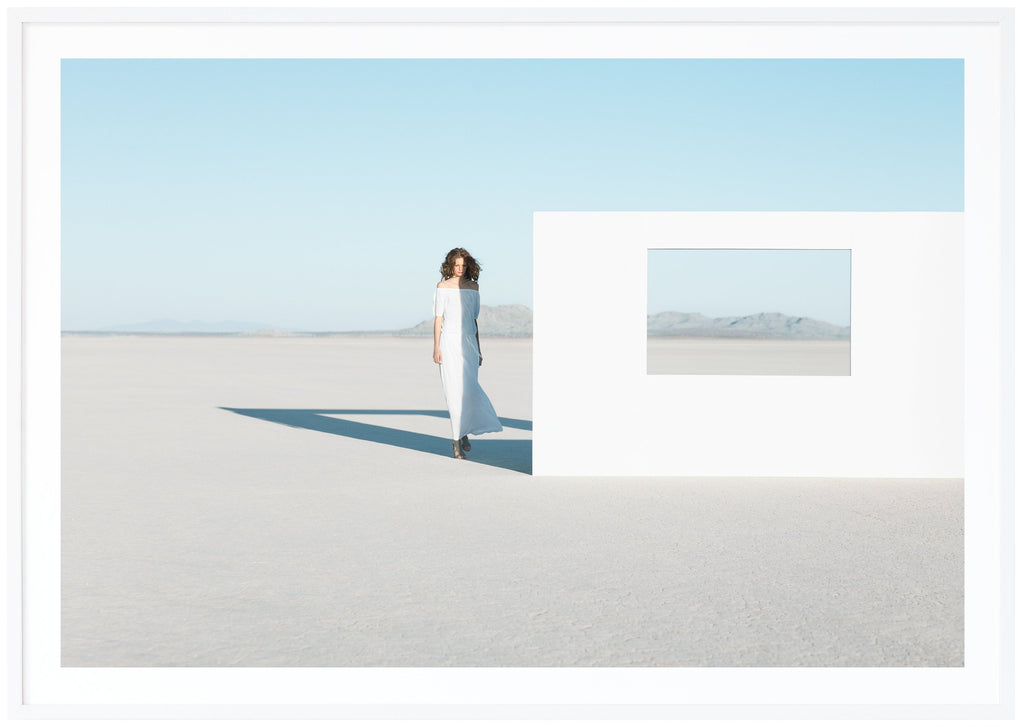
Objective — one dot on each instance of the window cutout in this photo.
(748, 311)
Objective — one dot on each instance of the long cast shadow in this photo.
(510, 454)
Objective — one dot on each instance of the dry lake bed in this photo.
(247, 501)
(780, 357)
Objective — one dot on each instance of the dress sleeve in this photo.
(438, 303)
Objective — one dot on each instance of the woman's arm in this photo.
(437, 338)
(478, 343)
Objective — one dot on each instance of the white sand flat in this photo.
(277, 502)
(680, 355)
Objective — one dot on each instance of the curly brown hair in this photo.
(472, 266)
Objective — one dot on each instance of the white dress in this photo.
(470, 410)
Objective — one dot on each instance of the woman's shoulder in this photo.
(447, 285)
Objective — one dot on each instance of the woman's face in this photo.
(458, 267)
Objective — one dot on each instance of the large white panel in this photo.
(899, 414)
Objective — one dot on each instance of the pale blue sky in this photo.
(322, 194)
(717, 283)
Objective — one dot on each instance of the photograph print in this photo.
(297, 364)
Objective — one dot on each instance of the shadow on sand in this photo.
(511, 454)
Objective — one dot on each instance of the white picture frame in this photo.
(39, 687)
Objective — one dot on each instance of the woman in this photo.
(457, 350)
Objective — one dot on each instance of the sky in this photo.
(323, 194)
(718, 283)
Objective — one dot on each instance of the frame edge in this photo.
(15, 351)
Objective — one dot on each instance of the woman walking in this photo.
(457, 350)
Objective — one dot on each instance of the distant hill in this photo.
(499, 320)
(516, 321)
(513, 321)
(167, 325)
(758, 325)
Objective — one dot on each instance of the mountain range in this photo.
(516, 321)
(498, 320)
(167, 325)
(510, 321)
(758, 325)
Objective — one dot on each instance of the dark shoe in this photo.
(464, 442)
(456, 450)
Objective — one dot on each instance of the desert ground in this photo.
(681, 355)
(247, 501)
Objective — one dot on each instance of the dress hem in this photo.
(482, 431)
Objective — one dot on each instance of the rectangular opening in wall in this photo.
(748, 311)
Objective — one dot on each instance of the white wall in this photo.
(899, 414)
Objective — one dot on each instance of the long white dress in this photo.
(470, 410)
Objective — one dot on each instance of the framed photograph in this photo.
(740, 286)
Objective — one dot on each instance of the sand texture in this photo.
(293, 502)
(682, 355)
